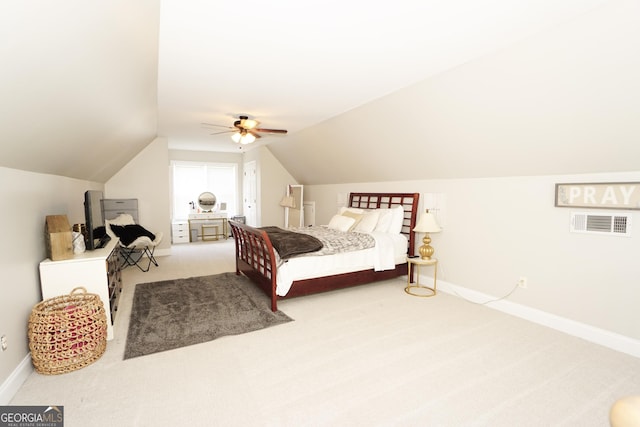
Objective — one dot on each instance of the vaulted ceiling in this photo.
(78, 85)
(85, 86)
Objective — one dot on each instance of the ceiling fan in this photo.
(245, 130)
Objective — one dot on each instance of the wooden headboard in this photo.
(408, 201)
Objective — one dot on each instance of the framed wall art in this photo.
(599, 195)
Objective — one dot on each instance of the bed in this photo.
(307, 274)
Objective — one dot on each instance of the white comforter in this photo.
(389, 250)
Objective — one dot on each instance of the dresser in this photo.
(180, 232)
(98, 271)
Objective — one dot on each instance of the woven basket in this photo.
(67, 333)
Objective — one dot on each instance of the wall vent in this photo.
(613, 224)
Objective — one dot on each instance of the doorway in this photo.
(250, 199)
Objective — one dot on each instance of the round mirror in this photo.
(206, 201)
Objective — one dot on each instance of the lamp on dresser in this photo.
(426, 224)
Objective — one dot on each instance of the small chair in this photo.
(136, 242)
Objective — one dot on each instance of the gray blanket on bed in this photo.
(289, 243)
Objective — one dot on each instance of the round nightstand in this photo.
(417, 289)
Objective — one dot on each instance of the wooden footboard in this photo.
(255, 256)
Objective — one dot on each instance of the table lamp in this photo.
(426, 224)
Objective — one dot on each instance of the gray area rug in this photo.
(181, 312)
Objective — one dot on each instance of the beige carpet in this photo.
(367, 356)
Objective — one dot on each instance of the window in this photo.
(192, 178)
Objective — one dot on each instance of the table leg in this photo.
(417, 289)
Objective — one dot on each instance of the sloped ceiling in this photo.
(84, 86)
(78, 85)
(565, 101)
(293, 64)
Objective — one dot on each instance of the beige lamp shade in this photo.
(427, 224)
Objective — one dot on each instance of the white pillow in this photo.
(342, 210)
(397, 219)
(341, 222)
(356, 216)
(384, 220)
(368, 222)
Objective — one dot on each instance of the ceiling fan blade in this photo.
(242, 128)
(270, 130)
(218, 126)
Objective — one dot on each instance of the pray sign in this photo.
(606, 195)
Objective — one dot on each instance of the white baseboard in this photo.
(163, 252)
(10, 387)
(590, 333)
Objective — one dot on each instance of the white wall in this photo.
(498, 229)
(146, 178)
(27, 198)
(273, 179)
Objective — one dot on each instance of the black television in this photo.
(92, 217)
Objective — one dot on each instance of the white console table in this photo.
(219, 221)
(97, 271)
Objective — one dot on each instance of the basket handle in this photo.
(79, 288)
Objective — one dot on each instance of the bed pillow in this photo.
(341, 222)
(397, 220)
(356, 216)
(384, 220)
(342, 210)
(368, 222)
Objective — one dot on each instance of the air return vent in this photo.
(613, 224)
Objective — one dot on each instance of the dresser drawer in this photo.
(119, 204)
(208, 215)
(180, 232)
(182, 238)
(112, 208)
(180, 227)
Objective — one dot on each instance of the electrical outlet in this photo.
(3, 342)
(522, 283)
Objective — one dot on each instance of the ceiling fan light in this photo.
(247, 139)
(243, 137)
(249, 124)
